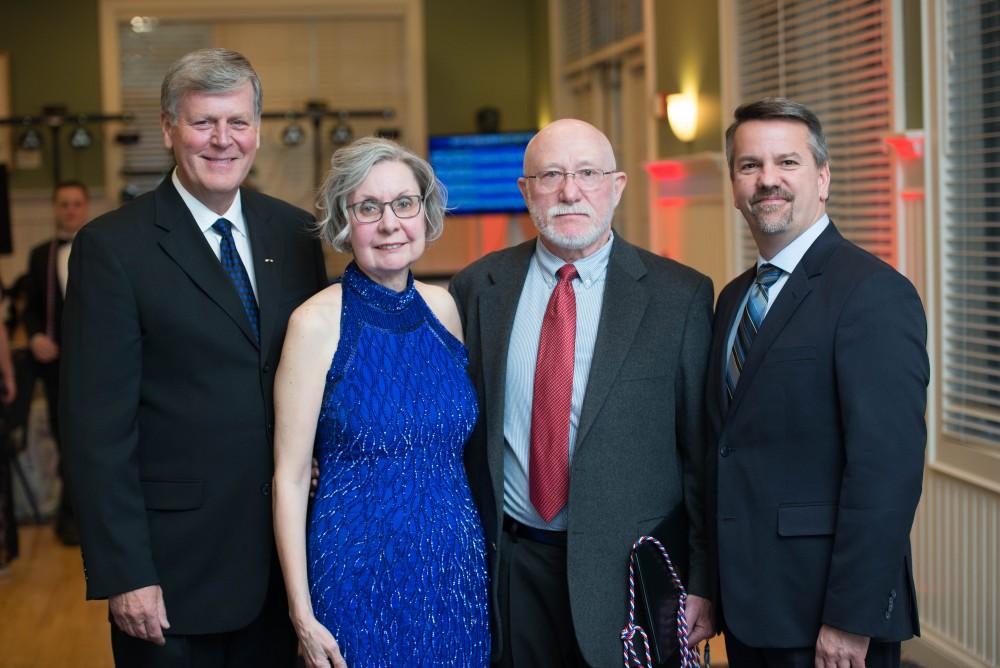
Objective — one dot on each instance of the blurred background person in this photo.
(391, 569)
(8, 390)
(48, 268)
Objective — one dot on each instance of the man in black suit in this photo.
(628, 437)
(816, 394)
(174, 321)
(48, 266)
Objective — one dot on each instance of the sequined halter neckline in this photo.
(377, 295)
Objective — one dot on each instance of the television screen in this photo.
(480, 171)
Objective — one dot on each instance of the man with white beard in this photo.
(588, 355)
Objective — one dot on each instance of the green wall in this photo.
(687, 45)
(482, 53)
(54, 59)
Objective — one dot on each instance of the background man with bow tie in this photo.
(48, 268)
(816, 391)
(174, 320)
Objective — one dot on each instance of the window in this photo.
(965, 88)
(834, 57)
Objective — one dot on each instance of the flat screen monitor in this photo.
(480, 171)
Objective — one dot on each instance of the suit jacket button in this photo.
(265, 489)
(267, 368)
(725, 451)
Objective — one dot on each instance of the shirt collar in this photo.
(204, 216)
(590, 269)
(790, 256)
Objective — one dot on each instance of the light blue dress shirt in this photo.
(522, 355)
(787, 259)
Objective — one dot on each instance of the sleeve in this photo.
(99, 404)
(692, 439)
(882, 373)
(34, 307)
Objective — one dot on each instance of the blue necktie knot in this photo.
(237, 272)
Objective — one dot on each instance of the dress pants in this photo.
(267, 642)
(740, 655)
(66, 524)
(534, 606)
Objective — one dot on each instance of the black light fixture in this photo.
(342, 134)
(30, 140)
(293, 134)
(80, 138)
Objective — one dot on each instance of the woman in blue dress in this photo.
(387, 566)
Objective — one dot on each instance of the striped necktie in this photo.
(753, 315)
(237, 272)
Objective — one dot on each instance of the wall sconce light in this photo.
(682, 115)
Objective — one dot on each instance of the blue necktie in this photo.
(237, 273)
(753, 315)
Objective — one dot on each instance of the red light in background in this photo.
(907, 148)
(666, 170)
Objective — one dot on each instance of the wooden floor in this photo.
(44, 619)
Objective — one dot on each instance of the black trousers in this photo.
(740, 655)
(534, 606)
(267, 642)
(66, 525)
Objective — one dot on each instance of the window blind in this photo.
(970, 204)
(832, 56)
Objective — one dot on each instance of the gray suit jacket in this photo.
(640, 449)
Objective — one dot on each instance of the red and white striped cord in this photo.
(689, 658)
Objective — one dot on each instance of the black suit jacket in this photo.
(36, 305)
(818, 459)
(166, 403)
(640, 446)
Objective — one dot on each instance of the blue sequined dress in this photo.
(396, 557)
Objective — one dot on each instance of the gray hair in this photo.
(350, 166)
(779, 109)
(208, 71)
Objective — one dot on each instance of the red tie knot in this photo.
(567, 272)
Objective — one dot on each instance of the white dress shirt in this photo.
(205, 218)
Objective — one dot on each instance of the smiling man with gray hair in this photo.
(175, 315)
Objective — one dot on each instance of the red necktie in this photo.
(548, 467)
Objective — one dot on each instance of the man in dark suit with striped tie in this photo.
(48, 266)
(174, 320)
(815, 393)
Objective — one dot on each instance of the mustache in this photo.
(580, 208)
(770, 193)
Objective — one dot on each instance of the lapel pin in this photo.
(269, 259)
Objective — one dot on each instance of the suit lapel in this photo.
(267, 248)
(187, 246)
(800, 284)
(497, 307)
(622, 311)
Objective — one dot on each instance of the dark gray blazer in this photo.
(167, 403)
(817, 461)
(640, 446)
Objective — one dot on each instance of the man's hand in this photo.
(43, 348)
(698, 615)
(840, 649)
(140, 613)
